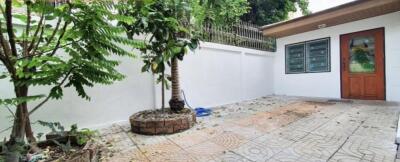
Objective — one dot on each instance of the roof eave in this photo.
(353, 11)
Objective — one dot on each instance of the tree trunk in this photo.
(22, 125)
(176, 103)
(30, 136)
(163, 91)
(20, 120)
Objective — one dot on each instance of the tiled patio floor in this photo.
(274, 128)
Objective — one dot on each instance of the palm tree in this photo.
(176, 103)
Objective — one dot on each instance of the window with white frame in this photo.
(308, 57)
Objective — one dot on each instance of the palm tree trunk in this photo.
(176, 103)
(175, 80)
(163, 91)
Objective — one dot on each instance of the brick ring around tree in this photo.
(157, 122)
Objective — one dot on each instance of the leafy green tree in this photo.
(218, 11)
(265, 12)
(171, 25)
(57, 45)
(167, 23)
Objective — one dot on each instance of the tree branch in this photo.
(60, 38)
(48, 97)
(10, 31)
(4, 43)
(38, 42)
(7, 63)
(5, 56)
(2, 57)
(36, 33)
(44, 52)
(28, 26)
(11, 112)
(4, 130)
(54, 32)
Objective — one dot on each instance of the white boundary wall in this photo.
(212, 75)
(328, 84)
(218, 74)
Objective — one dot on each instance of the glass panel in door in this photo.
(362, 54)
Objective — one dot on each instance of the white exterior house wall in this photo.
(327, 84)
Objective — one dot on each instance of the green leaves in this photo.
(218, 12)
(19, 100)
(168, 23)
(17, 3)
(265, 12)
(3, 76)
(56, 92)
(21, 17)
(72, 44)
(55, 127)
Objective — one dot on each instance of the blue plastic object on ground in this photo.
(200, 112)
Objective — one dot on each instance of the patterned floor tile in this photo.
(164, 150)
(179, 156)
(313, 147)
(293, 156)
(288, 134)
(229, 140)
(273, 141)
(187, 140)
(144, 140)
(231, 157)
(206, 151)
(274, 128)
(256, 151)
(129, 155)
(376, 133)
(369, 149)
(341, 157)
(248, 133)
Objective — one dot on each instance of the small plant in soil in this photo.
(74, 135)
(16, 151)
(61, 143)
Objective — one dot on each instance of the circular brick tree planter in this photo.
(156, 122)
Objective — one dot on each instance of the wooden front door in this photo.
(363, 65)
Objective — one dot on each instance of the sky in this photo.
(318, 5)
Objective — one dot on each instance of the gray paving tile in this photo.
(342, 157)
(230, 156)
(257, 151)
(358, 131)
(313, 147)
(369, 149)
